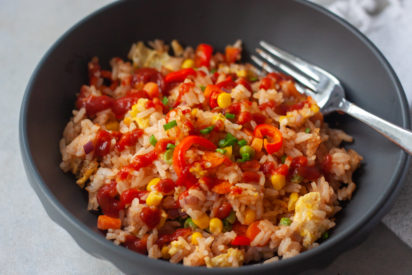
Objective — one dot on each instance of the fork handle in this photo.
(396, 134)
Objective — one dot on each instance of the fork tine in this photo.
(286, 69)
(269, 69)
(294, 60)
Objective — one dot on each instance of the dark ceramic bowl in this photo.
(302, 28)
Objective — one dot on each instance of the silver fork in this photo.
(327, 90)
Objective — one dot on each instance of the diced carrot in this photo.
(222, 188)
(215, 159)
(106, 222)
(253, 230)
(152, 89)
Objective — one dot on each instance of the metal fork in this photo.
(327, 90)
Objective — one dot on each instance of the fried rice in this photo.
(193, 157)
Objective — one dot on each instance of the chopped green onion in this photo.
(283, 159)
(226, 226)
(285, 221)
(168, 156)
(230, 116)
(231, 218)
(189, 224)
(170, 146)
(325, 235)
(242, 142)
(220, 150)
(229, 140)
(165, 101)
(202, 88)
(307, 130)
(170, 125)
(246, 149)
(207, 130)
(152, 140)
(253, 78)
(212, 71)
(296, 178)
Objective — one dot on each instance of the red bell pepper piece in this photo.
(179, 76)
(179, 162)
(275, 137)
(232, 54)
(240, 240)
(203, 55)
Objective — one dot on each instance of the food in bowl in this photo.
(197, 158)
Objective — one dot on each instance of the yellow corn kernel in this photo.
(282, 118)
(241, 73)
(194, 111)
(188, 63)
(229, 151)
(202, 222)
(163, 218)
(154, 198)
(224, 100)
(215, 226)
(257, 144)
(292, 201)
(217, 117)
(152, 183)
(142, 122)
(314, 108)
(195, 238)
(278, 181)
(112, 125)
(250, 216)
(127, 121)
(165, 252)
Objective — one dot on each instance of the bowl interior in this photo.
(291, 25)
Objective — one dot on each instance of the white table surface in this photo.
(30, 242)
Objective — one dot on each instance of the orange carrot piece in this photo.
(222, 188)
(106, 222)
(215, 159)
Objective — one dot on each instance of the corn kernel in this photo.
(292, 201)
(314, 108)
(278, 181)
(215, 226)
(224, 100)
(194, 111)
(282, 118)
(229, 151)
(250, 216)
(188, 63)
(165, 252)
(195, 238)
(241, 73)
(217, 117)
(163, 218)
(257, 144)
(127, 121)
(152, 183)
(112, 125)
(142, 122)
(202, 222)
(154, 198)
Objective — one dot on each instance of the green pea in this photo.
(189, 224)
(246, 149)
(285, 221)
(231, 218)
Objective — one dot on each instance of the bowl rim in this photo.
(386, 198)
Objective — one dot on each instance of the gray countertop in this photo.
(31, 243)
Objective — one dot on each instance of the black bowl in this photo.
(302, 28)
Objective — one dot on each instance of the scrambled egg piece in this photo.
(310, 226)
(142, 122)
(233, 257)
(143, 56)
(179, 245)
